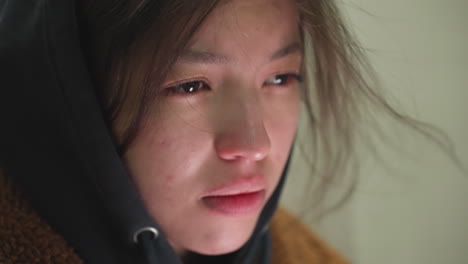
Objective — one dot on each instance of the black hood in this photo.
(56, 147)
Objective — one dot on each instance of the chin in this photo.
(221, 247)
(223, 241)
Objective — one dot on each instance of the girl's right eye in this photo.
(188, 88)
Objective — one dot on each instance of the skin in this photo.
(239, 123)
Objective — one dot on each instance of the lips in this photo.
(239, 197)
(238, 204)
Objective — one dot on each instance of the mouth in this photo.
(237, 204)
(241, 196)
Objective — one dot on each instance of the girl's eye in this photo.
(283, 79)
(188, 87)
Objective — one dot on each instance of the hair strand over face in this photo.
(131, 46)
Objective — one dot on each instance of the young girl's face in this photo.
(219, 134)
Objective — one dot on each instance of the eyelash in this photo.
(193, 87)
(290, 78)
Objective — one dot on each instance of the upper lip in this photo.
(238, 186)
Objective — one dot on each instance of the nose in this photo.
(241, 133)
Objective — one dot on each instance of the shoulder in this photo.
(293, 242)
(24, 236)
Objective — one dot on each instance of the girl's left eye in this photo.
(283, 79)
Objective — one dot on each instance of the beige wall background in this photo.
(414, 207)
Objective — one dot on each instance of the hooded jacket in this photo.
(26, 238)
(55, 146)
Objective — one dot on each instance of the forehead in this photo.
(248, 28)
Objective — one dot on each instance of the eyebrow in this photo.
(202, 57)
(290, 49)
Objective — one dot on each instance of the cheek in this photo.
(144, 163)
(281, 120)
(163, 157)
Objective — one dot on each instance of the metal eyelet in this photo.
(153, 230)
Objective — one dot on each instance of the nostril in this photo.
(260, 154)
(232, 150)
(242, 136)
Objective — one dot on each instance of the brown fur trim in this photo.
(293, 242)
(24, 237)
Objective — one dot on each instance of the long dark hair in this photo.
(131, 45)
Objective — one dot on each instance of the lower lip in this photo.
(240, 204)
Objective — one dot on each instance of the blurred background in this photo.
(412, 207)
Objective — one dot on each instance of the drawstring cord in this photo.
(145, 238)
